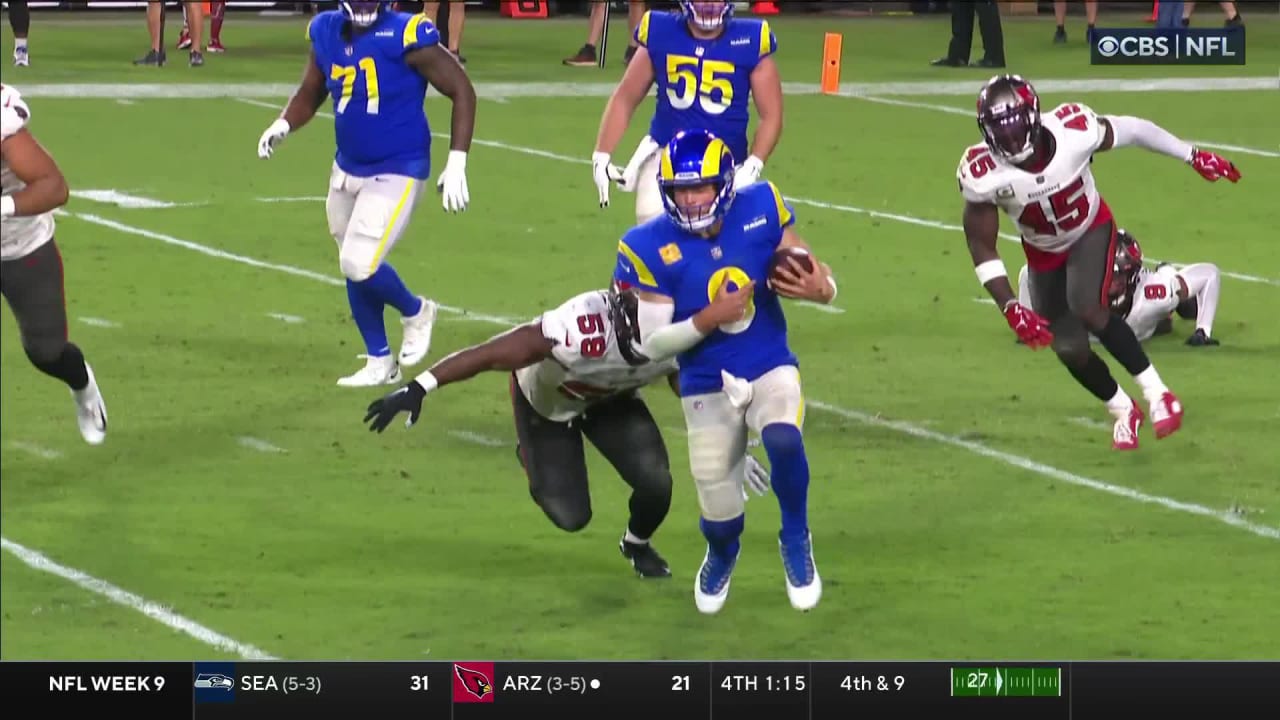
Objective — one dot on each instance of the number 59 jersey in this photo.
(585, 366)
(1056, 206)
(379, 122)
(704, 83)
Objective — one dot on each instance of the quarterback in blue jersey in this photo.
(709, 294)
(375, 64)
(706, 64)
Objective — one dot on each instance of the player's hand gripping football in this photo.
(272, 137)
(383, 410)
(794, 282)
(1212, 166)
(1032, 329)
(453, 182)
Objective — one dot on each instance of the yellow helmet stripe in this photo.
(666, 170)
(711, 159)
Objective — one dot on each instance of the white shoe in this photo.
(417, 333)
(20, 57)
(91, 411)
(376, 371)
(711, 584)
(804, 586)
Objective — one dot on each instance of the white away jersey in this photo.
(1052, 208)
(585, 366)
(19, 236)
(1154, 297)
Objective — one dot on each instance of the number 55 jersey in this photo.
(1052, 208)
(585, 366)
(704, 84)
(380, 124)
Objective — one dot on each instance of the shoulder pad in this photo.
(14, 113)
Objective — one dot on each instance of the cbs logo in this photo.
(1110, 46)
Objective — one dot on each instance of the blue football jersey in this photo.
(380, 123)
(704, 83)
(662, 258)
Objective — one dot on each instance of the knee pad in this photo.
(716, 472)
(356, 264)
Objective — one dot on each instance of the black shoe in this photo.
(1060, 36)
(197, 59)
(988, 63)
(152, 57)
(1199, 339)
(949, 62)
(647, 562)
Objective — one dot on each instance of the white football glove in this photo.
(631, 174)
(453, 182)
(756, 478)
(600, 173)
(274, 135)
(738, 390)
(748, 173)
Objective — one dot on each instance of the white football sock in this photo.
(631, 538)
(1152, 386)
(1120, 404)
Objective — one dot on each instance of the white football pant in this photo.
(718, 436)
(367, 216)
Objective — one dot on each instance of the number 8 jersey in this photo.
(380, 125)
(1056, 206)
(704, 84)
(585, 366)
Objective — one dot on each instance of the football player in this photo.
(706, 63)
(736, 375)
(1147, 299)
(1037, 170)
(575, 372)
(376, 63)
(31, 266)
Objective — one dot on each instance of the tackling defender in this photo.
(31, 277)
(1147, 299)
(376, 64)
(734, 375)
(1037, 170)
(575, 372)
(706, 63)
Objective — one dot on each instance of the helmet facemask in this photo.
(361, 13)
(706, 16)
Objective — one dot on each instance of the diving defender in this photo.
(718, 241)
(706, 64)
(375, 64)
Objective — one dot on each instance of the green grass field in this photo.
(965, 500)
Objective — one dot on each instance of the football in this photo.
(801, 256)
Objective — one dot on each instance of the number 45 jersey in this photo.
(585, 366)
(1055, 207)
(704, 83)
(379, 122)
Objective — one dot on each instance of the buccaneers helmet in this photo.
(1009, 117)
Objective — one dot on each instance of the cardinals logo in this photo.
(471, 682)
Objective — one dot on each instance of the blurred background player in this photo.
(1060, 14)
(31, 279)
(1038, 172)
(737, 375)
(377, 66)
(20, 22)
(1147, 299)
(706, 64)
(1229, 12)
(587, 55)
(962, 13)
(155, 15)
(217, 12)
(456, 17)
(575, 372)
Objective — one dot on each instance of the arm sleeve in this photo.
(659, 337)
(1127, 131)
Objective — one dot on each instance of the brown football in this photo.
(801, 256)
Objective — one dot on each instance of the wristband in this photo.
(427, 381)
(990, 270)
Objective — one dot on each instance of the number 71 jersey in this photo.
(585, 366)
(1056, 206)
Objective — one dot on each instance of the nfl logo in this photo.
(716, 253)
(349, 50)
(697, 405)
(699, 51)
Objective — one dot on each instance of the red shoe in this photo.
(1125, 434)
(184, 40)
(1166, 415)
(215, 46)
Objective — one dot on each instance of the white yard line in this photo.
(39, 451)
(151, 609)
(477, 438)
(1023, 463)
(99, 322)
(126, 200)
(286, 318)
(260, 445)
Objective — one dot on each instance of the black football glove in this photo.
(383, 410)
(1199, 339)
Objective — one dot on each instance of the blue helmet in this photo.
(707, 16)
(693, 158)
(363, 13)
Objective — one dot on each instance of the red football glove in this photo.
(1213, 166)
(1032, 329)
